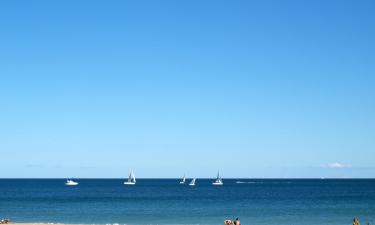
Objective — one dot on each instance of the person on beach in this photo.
(5, 221)
(228, 222)
(356, 221)
(237, 221)
(232, 222)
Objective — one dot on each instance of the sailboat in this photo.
(218, 181)
(131, 179)
(70, 182)
(183, 180)
(192, 182)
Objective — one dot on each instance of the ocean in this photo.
(165, 201)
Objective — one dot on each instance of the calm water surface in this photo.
(165, 201)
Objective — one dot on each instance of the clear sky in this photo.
(252, 88)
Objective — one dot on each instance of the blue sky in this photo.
(252, 88)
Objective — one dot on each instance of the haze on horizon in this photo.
(250, 88)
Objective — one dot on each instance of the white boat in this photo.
(183, 180)
(218, 181)
(192, 182)
(70, 182)
(131, 179)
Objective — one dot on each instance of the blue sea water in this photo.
(165, 201)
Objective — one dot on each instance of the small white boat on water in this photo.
(192, 182)
(131, 179)
(183, 180)
(70, 182)
(218, 181)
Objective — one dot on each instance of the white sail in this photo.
(133, 177)
(183, 180)
(192, 182)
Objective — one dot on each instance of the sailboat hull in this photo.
(71, 183)
(129, 183)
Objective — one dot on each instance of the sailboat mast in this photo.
(130, 177)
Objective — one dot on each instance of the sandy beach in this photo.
(42, 224)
